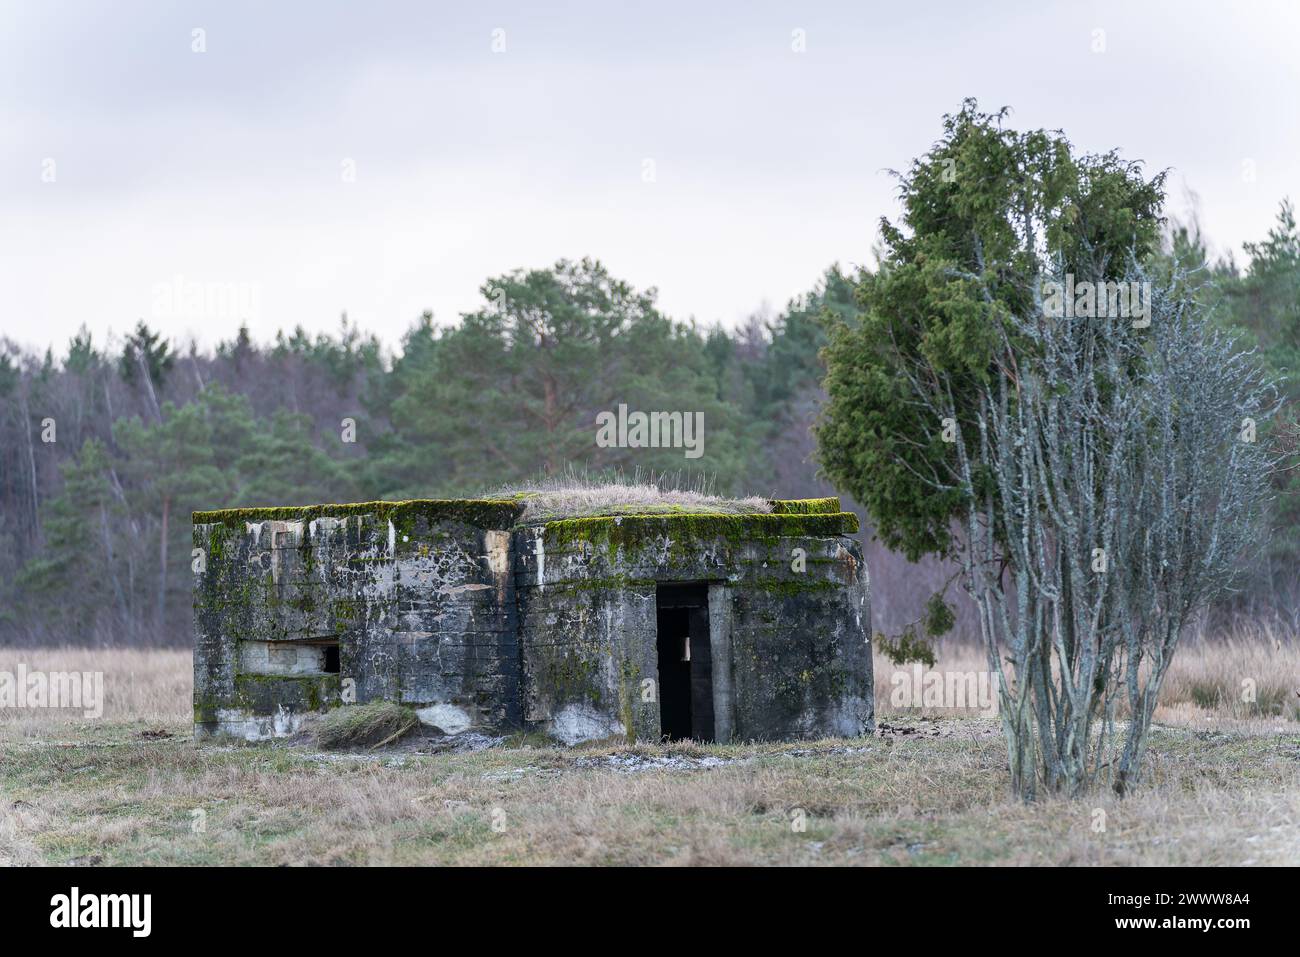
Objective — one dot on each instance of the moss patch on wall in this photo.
(792, 587)
(573, 677)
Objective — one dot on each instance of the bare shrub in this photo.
(1112, 491)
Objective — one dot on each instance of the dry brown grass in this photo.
(1210, 684)
(1248, 673)
(918, 799)
(369, 725)
(104, 792)
(577, 496)
(140, 687)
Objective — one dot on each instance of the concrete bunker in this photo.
(640, 626)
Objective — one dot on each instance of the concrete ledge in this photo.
(486, 513)
(633, 529)
(804, 506)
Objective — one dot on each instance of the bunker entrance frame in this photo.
(687, 637)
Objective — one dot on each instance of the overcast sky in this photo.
(387, 157)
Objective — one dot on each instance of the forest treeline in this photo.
(106, 447)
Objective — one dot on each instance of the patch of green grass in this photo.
(1205, 694)
(527, 739)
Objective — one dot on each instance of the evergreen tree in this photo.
(984, 211)
(514, 390)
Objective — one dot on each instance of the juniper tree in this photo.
(1089, 474)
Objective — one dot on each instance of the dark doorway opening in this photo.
(685, 663)
(332, 659)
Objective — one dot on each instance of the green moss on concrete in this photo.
(574, 677)
(791, 587)
(314, 691)
(629, 680)
(217, 538)
(494, 513)
(344, 610)
(205, 706)
(482, 513)
(603, 583)
(634, 530)
(805, 506)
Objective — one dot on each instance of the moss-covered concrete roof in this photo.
(620, 530)
(804, 506)
(482, 512)
(788, 517)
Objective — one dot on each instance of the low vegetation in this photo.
(578, 496)
(370, 725)
(931, 787)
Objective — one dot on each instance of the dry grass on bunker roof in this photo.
(572, 496)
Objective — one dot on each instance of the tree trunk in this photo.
(148, 383)
(124, 612)
(31, 461)
(162, 565)
(549, 416)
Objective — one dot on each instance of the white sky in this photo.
(226, 167)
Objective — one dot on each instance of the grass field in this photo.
(930, 788)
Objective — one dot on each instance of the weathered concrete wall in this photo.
(449, 607)
(788, 609)
(418, 596)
